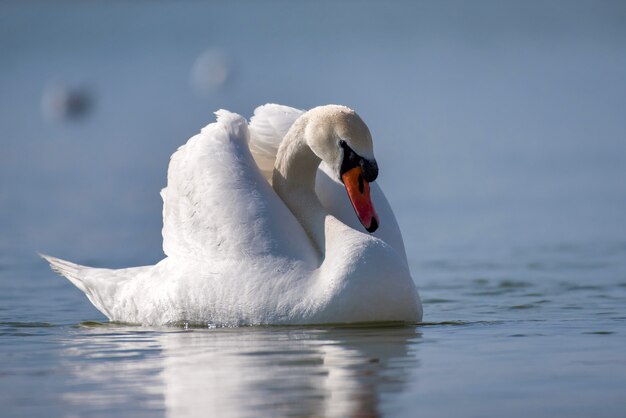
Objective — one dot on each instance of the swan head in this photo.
(340, 138)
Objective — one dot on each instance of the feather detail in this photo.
(268, 127)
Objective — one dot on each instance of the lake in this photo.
(500, 135)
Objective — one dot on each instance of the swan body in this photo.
(258, 229)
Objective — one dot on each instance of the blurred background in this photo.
(500, 131)
(498, 125)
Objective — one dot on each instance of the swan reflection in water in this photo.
(330, 372)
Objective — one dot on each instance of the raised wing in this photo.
(218, 205)
(268, 127)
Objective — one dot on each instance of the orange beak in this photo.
(359, 193)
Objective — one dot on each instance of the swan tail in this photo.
(99, 285)
(75, 273)
(268, 127)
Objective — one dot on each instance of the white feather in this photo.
(268, 127)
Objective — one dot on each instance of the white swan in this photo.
(241, 251)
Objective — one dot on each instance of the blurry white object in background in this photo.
(63, 102)
(210, 71)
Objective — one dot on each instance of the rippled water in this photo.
(538, 334)
(499, 131)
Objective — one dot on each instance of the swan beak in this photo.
(359, 193)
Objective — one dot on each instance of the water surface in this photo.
(500, 134)
(542, 337)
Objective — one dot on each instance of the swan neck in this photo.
(294, 181)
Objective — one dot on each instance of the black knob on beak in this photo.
(370, 169)
(351, 159)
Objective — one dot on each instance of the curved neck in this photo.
(294, 181)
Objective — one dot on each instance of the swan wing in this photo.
(268, 127)
(217, 205)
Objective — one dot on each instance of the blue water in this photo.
(500, 134)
